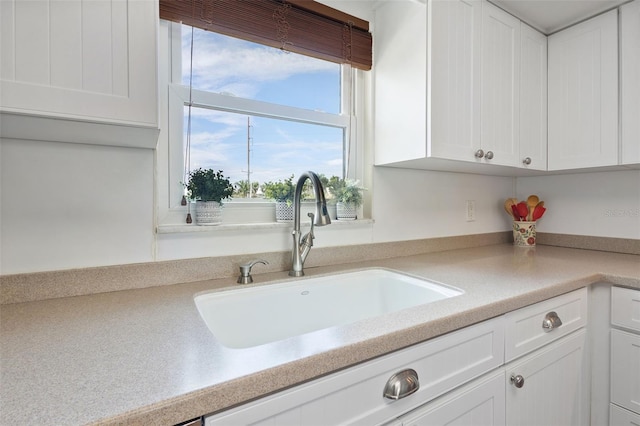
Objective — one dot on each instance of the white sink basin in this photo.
(254, 316)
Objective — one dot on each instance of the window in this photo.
(258, 113)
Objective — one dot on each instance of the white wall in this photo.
(414, 204)
(69, 205)
(604, 204)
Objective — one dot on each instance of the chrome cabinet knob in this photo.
(489, 155)
(517, 381)
(401, 384)
(526, 161)
(551, 321)
(479, 153)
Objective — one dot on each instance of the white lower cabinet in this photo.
(553, 391)
(621, 417)
(547, 380)
(480, 403)
(553, 385)
(355, 396)
(625, 370)
(546, 383)
(462, 378)
(625, 356)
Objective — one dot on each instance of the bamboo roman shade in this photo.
(301, 26)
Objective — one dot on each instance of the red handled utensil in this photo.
(538, 211)
(514, 209)
(523, 210)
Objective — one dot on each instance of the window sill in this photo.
(223, 227)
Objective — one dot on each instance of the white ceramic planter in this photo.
(208, 213)
(346, 211)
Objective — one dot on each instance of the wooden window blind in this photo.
(300, 26)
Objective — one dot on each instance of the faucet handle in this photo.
(307, 239)
(245, 271)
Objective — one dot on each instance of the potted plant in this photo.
(348, 196)
(208, 188)
(282, 193)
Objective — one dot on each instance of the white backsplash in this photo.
(414, 204)
(604, 204)
(68, 206)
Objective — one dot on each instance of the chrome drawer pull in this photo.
(401, 384)
(551, 321)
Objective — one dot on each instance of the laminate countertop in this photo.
(146, 357)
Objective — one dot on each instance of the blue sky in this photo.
(278, 148)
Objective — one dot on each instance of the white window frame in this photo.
(175, 95)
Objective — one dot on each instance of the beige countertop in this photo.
(145, 357)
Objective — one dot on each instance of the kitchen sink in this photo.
(257, 315)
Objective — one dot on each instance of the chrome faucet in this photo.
(302, 246)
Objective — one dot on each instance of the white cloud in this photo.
(226, 64)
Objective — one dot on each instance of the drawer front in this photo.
(481, 402)
(621, 417)
(625, 308)
(525, 328)
(625, 370)
(355, 396)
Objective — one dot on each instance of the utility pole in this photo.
(249, 154)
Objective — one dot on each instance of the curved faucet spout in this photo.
(302, 246)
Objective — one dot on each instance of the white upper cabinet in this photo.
(449, 88)
(533, 99)
(453, 77)
(630, 81)
(79, 62)
(583, 94)
(500, 86)
(401, 107)
(409, 124)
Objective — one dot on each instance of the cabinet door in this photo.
(533, 99)
(555, 388)
(88, 59)
(630, 81)
(583, 94)
(625, 370)
(400, 72)
(454, 79)
(500, 86)
(479, 403)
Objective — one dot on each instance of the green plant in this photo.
(241, 189)
(282, 190)
(345, 190)
(209, 185)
